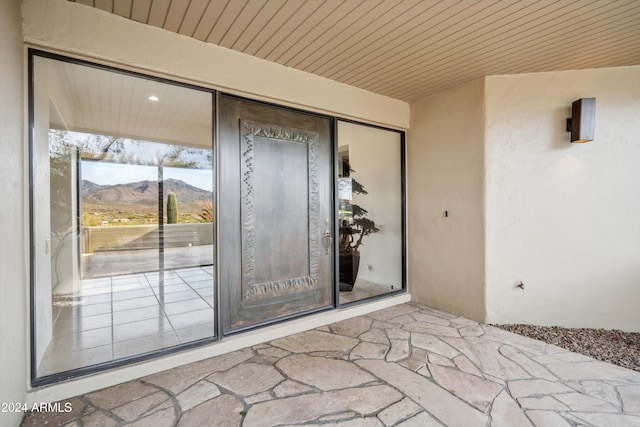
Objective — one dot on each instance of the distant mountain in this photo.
(142, 192)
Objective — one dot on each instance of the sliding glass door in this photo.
(123, 200)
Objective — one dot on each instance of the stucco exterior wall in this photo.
(14, 249)
(563, 218)
(445, 168)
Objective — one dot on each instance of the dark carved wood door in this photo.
(275, 213)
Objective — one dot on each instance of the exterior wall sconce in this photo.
(583, 120)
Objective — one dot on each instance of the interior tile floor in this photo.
(408, 365)
(116, 317)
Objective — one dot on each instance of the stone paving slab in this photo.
(404, 366)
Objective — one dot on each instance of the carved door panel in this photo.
(275, 213)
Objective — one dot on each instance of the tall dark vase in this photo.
(349, 264)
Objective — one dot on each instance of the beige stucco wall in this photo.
(112, 237)
(563, 218)
(13, 226)
(445, 168)
(526, 205)
(91, 33)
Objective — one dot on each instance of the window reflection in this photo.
(370, 211)
(123, 216)
(121, 209)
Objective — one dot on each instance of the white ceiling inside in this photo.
(97, 101)
(406, 49)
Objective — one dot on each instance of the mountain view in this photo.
(145, 192)
(137, 202)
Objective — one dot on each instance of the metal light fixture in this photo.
(583, 120)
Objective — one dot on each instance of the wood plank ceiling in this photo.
(406, 49)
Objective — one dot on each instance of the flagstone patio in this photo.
(404, 366)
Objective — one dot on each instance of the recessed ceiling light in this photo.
(153, 98)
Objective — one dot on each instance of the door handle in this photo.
(327, 241)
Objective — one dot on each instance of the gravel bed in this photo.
(608, 345)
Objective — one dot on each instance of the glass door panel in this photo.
(123, 230)
(370, 211)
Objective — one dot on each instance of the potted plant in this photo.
(354, 227)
